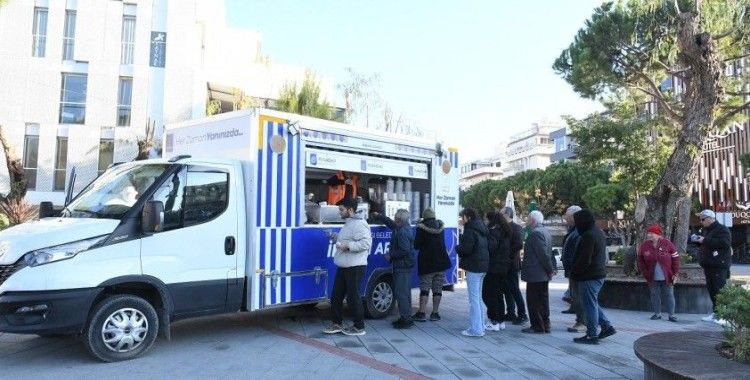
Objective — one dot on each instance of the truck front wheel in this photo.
(379, 299)
(121, 327)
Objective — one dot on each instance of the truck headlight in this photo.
(60, 252)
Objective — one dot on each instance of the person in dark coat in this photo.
(568, 256)
(474, 259)
(589, 270)
(715, 257)
(494, 281)
(432, 262)
(512, 292)
(537, 271)
(402, 258)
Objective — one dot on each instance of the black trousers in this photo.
(513, 297)
(537, 301)
(492, 295)
(716, 278)
(346, 283)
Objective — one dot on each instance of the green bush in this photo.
(619, 256)
(734, 307)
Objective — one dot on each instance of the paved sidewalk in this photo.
(288, 344)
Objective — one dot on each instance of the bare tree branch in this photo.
(677, 6)
(673, 71)
(737, 93)
(737, 57)
(737, 24)
(659, 96)
(731, 112)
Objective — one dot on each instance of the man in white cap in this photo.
(715, 256)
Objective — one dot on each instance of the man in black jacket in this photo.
(568, 257)
(401, 256)
(474, 257)
(715, 256)
(513, 297)
(432, 263)
(589, 271)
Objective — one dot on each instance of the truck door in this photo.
(194, 254)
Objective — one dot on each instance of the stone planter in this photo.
(632, 293)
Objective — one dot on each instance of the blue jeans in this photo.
(402, 288)
(589, 297)
(476, 315)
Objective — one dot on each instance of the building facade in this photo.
(81, 79)
(565, 146)
(530, 149)
(480, 170)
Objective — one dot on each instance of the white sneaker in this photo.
(721, 322)
(708, 318)
(489, 326)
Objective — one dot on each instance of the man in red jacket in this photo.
(659, 263)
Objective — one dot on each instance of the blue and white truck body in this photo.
(222, 226)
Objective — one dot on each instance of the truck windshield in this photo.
(112, 194)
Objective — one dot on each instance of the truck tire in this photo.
(121, 327)
(379, 299)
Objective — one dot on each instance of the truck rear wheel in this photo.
(121, 327)
(379, 299)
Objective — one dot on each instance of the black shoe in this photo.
(607, 331)
(673, 319)
(587, 340)
(403, 324)
(399, 320)
(419, 317)
(567, 299)
(569, 311)
(531, 330)
(509, 317)
(655, 317)
(434, 317)
(520, 320)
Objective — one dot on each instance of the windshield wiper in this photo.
(94, 213)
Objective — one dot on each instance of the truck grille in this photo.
(8, 270)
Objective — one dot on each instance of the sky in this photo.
(475, 71)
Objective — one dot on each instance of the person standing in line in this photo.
(513, 297)
(494, 281)
(353, 244)
(588, 271)
(568, 256)
(401, 256)
(715, 257)
(432, 262)
(474, 258)
(659, 263)
(537, 271)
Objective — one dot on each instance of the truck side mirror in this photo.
(46, 210)
(152, 217)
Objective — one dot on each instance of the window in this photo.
(560, 144)
(30, 158)
(39, 45)
(69, 35)
(61, 163)
(106, 154)
(73, 99)
(124, 96)
(128, 39)
(193, 196)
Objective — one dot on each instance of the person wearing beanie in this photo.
(432, 262)
(589, 270)
(659, 263)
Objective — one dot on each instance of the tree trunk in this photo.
(16, 172)
(698, 52)
(683, 225)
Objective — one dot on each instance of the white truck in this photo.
(234, 221)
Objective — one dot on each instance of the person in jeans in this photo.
(659, 263)
(474, 258)
(537, 271)
(494, 282)
(432, 262)
(589, 271)
(568, 256)
(402, 259)
(353, 244)
(512, 292)
(715, 257)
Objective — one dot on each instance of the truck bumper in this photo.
(47, 312)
